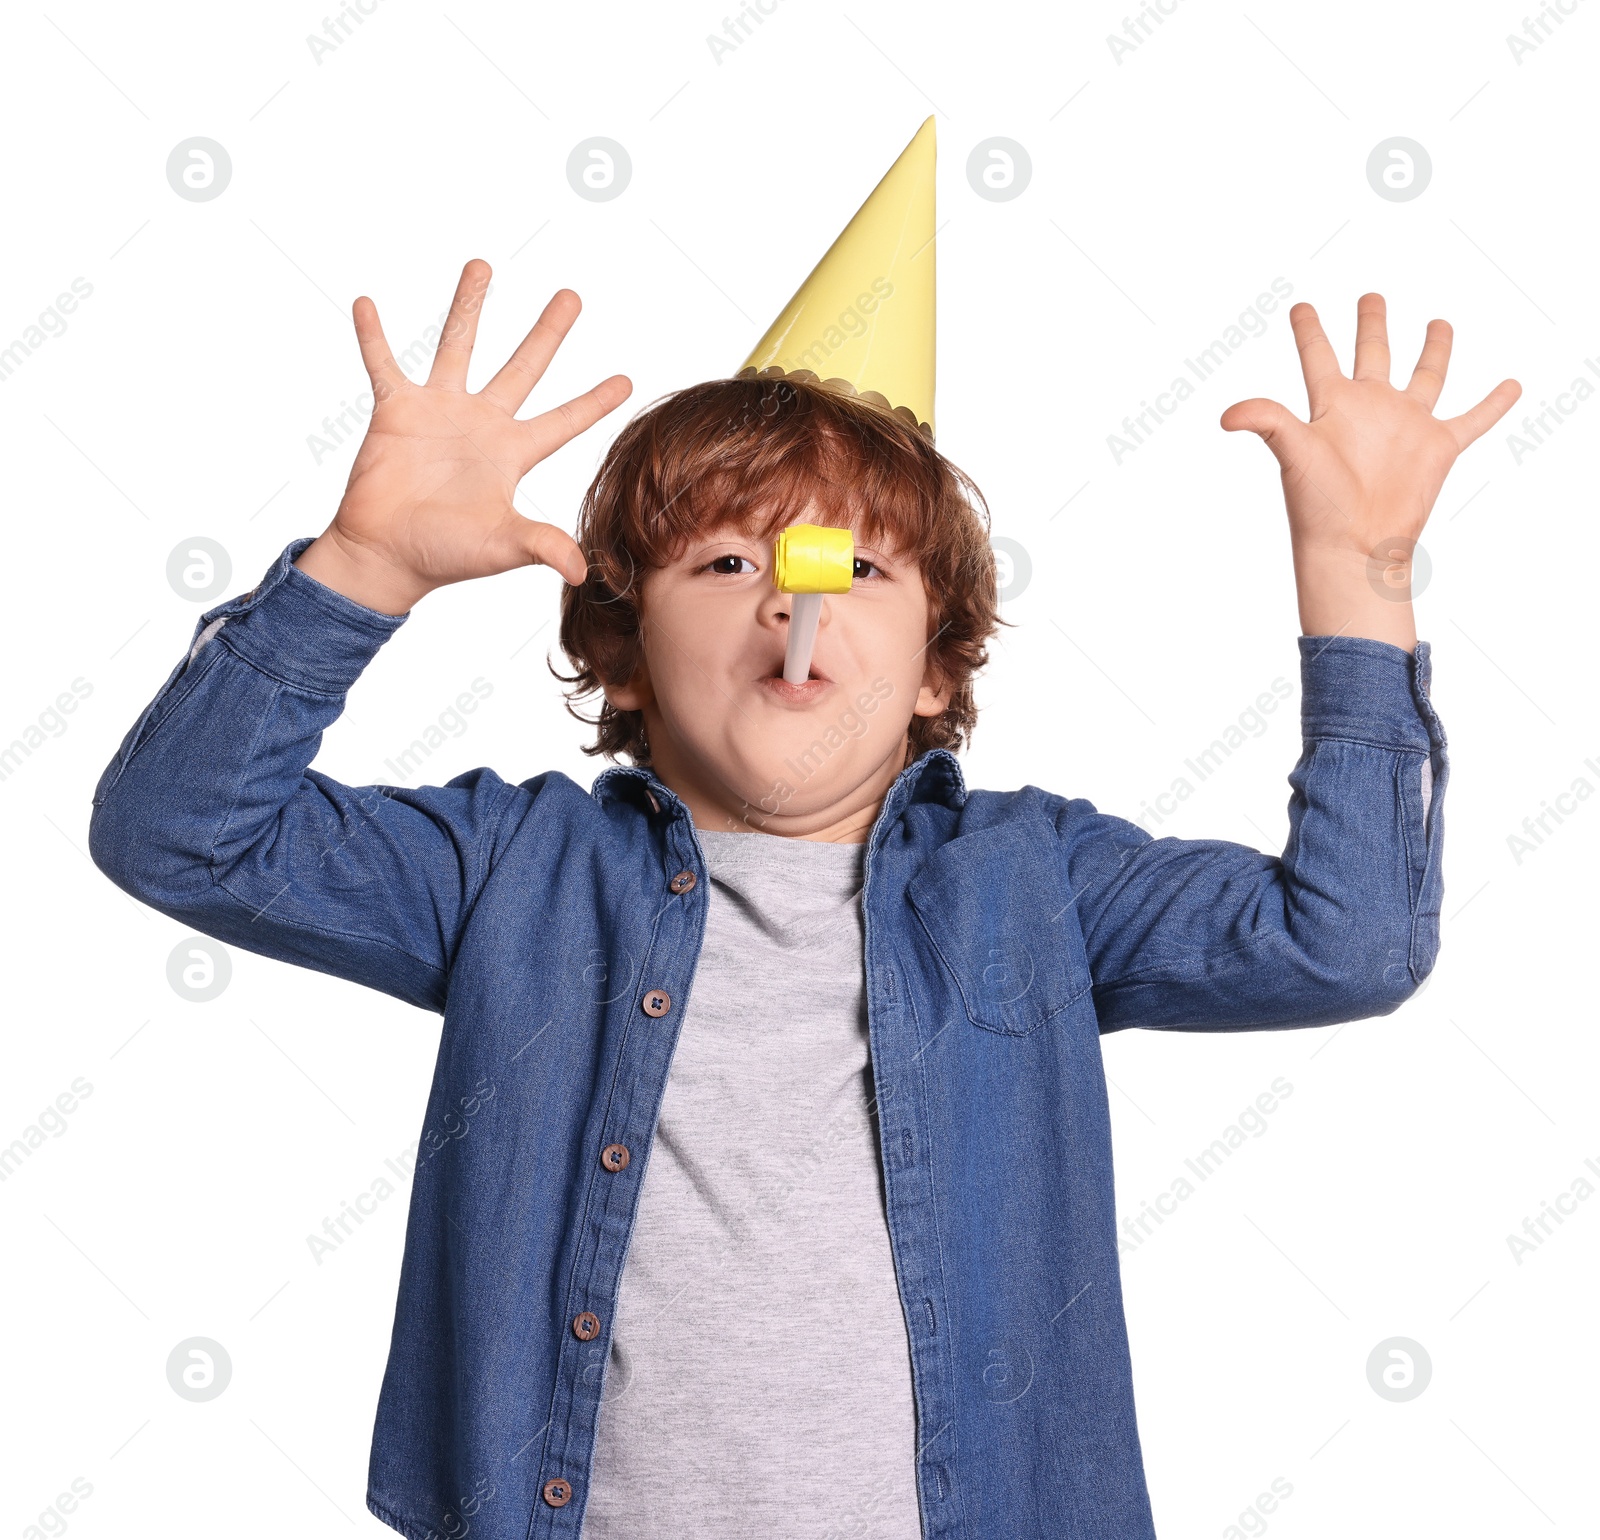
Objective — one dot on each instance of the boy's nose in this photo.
(778, 608)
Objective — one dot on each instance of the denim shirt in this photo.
(556, 931)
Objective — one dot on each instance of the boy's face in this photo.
(743, 748)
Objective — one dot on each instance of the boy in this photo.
(769, 1106)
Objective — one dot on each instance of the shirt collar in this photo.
(934, 776)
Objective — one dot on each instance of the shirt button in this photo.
(558, 1493)
(586, 1327)
(682, 882)
(614, 1157)
(657, 1003)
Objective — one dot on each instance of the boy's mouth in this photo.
(816, 684)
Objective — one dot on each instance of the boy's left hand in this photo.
(1360, 478)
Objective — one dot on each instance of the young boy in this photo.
(769, 1116)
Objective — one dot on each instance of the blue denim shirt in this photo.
(556, 931)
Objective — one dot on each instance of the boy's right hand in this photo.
(429, 496)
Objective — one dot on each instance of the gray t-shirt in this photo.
(759, 1380)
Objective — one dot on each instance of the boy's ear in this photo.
(635, 692)
(934, 696)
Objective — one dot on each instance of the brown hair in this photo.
(754, 452)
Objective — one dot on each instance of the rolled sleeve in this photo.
(298, 630)
(1366, 691)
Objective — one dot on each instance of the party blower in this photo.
(810, 560)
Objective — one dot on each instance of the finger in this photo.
(1477, 421)
(386, 375)
(1427, 379)
(1280, 430)
(1318, 362)
(1372, 339)
(454, 352)
(550, 430)
(552, 547)
(523, 370)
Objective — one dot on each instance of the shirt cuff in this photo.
(1366, 691)
(298, 630)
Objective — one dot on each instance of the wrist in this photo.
(359, 575)
(1353, 593)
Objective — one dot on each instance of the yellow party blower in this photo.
(810, 560)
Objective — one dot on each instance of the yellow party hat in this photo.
(862, 321)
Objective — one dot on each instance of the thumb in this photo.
(552, 547)
(1279, 428)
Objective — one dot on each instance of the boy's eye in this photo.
(730, 565)
(863, 567)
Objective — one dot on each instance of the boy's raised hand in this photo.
(429, 496)
(1360, 478)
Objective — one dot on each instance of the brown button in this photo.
(614, 1157)
(682, 882)
(657, 1003)
(586, 1327)
(558, 1493)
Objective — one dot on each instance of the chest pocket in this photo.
(995, 908)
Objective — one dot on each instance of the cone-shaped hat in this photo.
(863, 320)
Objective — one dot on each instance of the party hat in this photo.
(862, 322)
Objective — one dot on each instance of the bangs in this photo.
(759, 455)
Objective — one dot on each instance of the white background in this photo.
(1168, 190)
